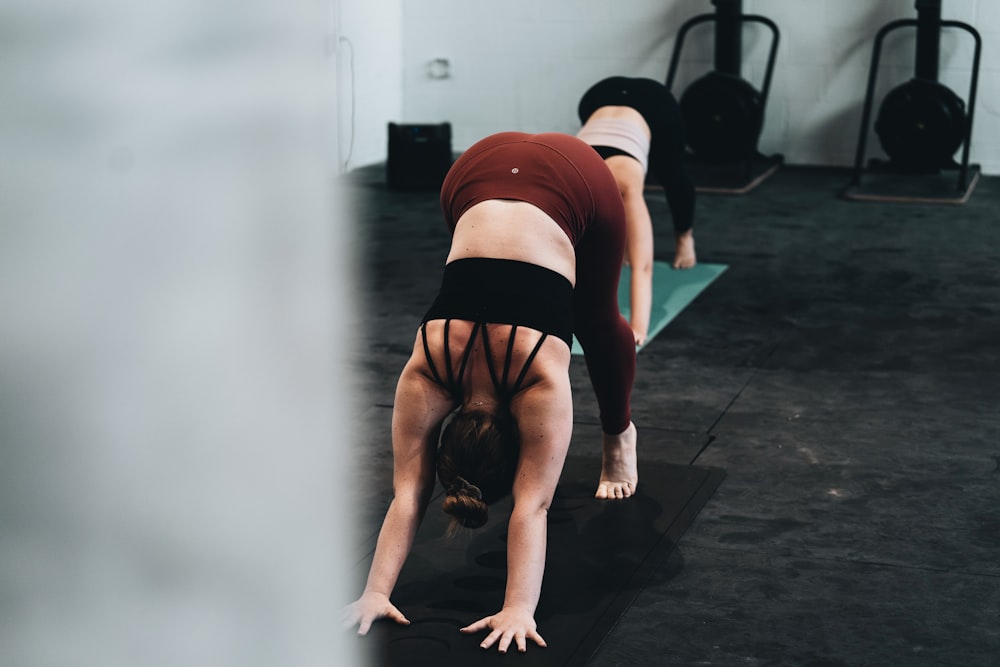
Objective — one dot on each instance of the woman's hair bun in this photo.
(464, 503)
(461, 486)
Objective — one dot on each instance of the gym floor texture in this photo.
(839, 385)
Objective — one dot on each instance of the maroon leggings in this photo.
(567, 179)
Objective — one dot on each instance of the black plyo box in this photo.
(419, 156)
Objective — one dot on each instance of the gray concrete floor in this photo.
(845, 372)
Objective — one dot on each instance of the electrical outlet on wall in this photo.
(439, 68)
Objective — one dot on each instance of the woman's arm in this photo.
(639, 253)
(419, 409)
(544, 413)
(631, 179)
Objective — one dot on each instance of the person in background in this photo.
(635, 125)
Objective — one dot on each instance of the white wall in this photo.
(369, 38)
(172, 293)
(523, 65)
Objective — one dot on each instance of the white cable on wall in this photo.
(350, 143)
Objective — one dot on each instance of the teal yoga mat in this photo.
(673, 290)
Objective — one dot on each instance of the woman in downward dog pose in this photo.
(635, 124)
(538, 236)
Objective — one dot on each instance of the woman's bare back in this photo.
(517, 230)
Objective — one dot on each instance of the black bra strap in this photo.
(488, 353)
(427, 354)
(510, 356)
(501, 385)
(524, 369)
(454, 384)
(467, 354)
(447, 358)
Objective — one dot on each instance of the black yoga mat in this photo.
(600, 554)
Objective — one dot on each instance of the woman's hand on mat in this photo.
(684, 256)
(369, 608)
(640, 337)
(508, 625)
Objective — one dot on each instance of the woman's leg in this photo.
(608, 343)
(667, 162)
(613, 91)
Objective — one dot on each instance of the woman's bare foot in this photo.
(619, 465)
(684, 256)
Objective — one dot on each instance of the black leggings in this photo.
(666, 151)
